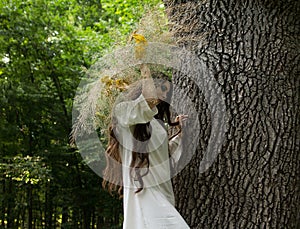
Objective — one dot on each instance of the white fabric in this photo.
(153, 207)
(175, 147)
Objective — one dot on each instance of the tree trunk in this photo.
(30, 206)
(3, 204)
(65, 216)
(49, 194)
(86, 218)
(252, 49)
(10, 204)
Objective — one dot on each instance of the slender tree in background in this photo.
(252, 49)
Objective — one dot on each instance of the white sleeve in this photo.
(175, 147)
(133, 112)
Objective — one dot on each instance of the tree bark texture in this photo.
(252, 49)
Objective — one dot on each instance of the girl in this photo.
(138, 156)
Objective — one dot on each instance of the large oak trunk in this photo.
(252, 50)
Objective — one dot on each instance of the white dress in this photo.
(153, 207)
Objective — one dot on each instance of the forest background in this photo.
(45, 47)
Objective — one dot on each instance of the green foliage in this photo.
(44, 47)
(25, 169)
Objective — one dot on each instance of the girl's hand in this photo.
(180, 119)
(148, 90)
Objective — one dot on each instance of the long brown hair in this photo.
(112, 175)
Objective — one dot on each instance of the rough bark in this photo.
(252, 49)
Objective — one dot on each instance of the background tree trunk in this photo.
(49, 205)
(252, 49)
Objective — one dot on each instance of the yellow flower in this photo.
(120, 84)
(140, 47)
(139, 38)
(105, 79)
